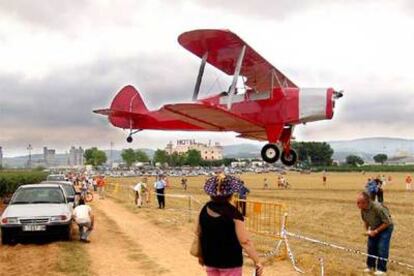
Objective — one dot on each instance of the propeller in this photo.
(338, 94)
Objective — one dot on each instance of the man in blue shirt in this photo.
(159, 186)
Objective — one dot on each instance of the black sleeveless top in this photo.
(219, 244)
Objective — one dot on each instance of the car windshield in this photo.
(69, 190)
(55, 177)
(38, 195)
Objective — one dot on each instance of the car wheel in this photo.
(6, 237)
(67, 233)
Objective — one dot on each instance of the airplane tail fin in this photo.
(126, 109)
(129, 100)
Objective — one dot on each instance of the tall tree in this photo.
(94, 157)
(129, 157)
(315, 153)
(380, 158)
(160, 156)
(193, 158)
(354, 160)
(141, 156)
(176, 159)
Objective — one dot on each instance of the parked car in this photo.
(36, 209)
(71, 194)
(56, 177)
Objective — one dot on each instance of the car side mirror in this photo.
(71, 199)
(78, 193)
(6, 201)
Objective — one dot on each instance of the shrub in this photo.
(11, 180)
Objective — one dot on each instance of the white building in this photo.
(49, 157)
(76, 156)
(208, 151)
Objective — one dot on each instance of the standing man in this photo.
(371, 188)
(140, 191)
(378, 226)
(184, 183)
(324, 177)
(84, 218)
(265, 184)
(100, 183)
(159, 186)
(380, 189)
(408, 183)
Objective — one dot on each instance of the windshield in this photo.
(56, 177)
(38, 195)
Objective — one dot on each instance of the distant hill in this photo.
(242, 151)
(60, 158)
(368, 147)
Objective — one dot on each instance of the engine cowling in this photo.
(316, 104)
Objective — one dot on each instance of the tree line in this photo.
(96, 157)
(309, 154)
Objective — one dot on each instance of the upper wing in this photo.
(223, 48)
(210, 118)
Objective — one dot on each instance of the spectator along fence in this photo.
(266, 221)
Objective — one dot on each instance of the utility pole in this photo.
(29, 162)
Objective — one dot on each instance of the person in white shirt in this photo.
(140, 191)
(84, 218)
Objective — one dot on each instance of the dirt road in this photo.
(125, 241)
(133, 242)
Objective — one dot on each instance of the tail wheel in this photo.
(270, 153)
(289, 158)
(129, 139)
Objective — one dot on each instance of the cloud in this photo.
(62, 59)
(275, 10)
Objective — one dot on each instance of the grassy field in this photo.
(326, 212)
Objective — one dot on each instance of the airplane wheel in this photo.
(270, 153)
(289, 158)
(129, 139)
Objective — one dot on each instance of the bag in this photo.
(195, 249)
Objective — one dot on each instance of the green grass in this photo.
(73, 259)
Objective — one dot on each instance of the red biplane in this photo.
(268, 110)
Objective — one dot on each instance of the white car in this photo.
(71, 194)
(36, 209)
(56, 177)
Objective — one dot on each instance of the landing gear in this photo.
(289, 158)
(129, 138)
(270, 153)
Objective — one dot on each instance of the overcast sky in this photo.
(59, 60)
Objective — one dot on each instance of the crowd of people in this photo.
(220, 232)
